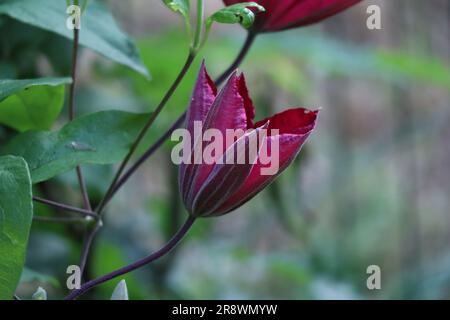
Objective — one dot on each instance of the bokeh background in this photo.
(371, 186)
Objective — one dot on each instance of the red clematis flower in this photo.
(287, 14)
(213, 189)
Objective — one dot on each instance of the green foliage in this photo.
(236, 13)
(16, 212)
(99, 138)
(31, 104)
(98, 31)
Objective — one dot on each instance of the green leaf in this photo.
(236, 13)
(98, 31)
(99, 138)
(180, 6)
(31, 104)
(120, 291)
(16, 212)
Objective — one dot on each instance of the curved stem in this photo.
(65, 207)
(148, 153)
(76, 35)
(87, 244)
(144, 130)
(251, 36)
(153, 148)
(90, 234)
(138, 264)
(84, 191)
(198, 29)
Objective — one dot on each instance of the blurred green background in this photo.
(370, 187)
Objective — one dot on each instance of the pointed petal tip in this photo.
(203, 74)
(232, 83)
(312, 111)
(313, 114)
(234, 76)
(248, 102)
(203, 69)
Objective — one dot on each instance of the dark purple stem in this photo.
(251, 36)
(76, 36)
(64, 207)
(138, 264)
(144, 130)
(90, 234)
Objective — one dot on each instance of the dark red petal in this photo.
(248, 103)
(225, 179)
(229, 109)
(227, 112)
(293, 121)
(298, 13)
(286, 14)
(203, 97)
(289, 146)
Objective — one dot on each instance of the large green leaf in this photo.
(31, 104)
(16, 212)
(100, 138)
(98, 31)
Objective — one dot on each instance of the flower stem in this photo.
(199, 26)
(148, 153)
(251, 36)
(87, 244)
(59, 219)
(90, 234)
(138, 264)
(144, 130)
(76, 36)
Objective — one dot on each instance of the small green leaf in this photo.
(120, 292)
(31, 104)
(99, 31)
(99, 138)
(237, 13)
(180, 6)
(40, 294)
(16, 212)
